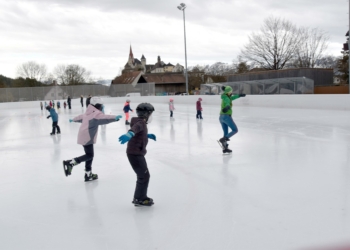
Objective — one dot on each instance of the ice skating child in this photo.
(64, 105)
(41, 105)
(50, 104)
(199, 109)
(53, 104)
(226, 117)
(171, 106)
(87, 135)
(54, 117)
(126, 110)
(137, 138)
(58, 105)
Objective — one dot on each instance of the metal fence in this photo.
(62, 92)
(294, 85)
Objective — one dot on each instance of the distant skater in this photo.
(88, 100)
(58, 105)
(171, 106)
(69, 100)
(41, 105)
(82, 101)
(226, 117)
(137, 138)
(199, 109)
(87, 136)
(126, 110)
(54, 117)
(64, 105)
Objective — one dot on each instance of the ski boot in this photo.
(145, 203)
(68, 166)
(127, 123)
(90, 176)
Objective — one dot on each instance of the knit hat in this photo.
(228, 89)
(199, 99)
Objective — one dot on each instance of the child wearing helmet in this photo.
(126, 110)
(171, 106)
(137, 138)
(226, 117)
(87, 135)
(199, 109)
(54, 117)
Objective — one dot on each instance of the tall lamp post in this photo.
(182, 7)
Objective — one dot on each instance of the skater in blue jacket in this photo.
(54, 117)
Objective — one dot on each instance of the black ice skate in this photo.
(127, 123)
(52, 133)
(58, 133)
(145, 203)
(68, 166)
(90, 177)
(222, 142)
(227, 151)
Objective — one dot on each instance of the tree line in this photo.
(280, 44)
(33, 74)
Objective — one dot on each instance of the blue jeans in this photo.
(227, 122)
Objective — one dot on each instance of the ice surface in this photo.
(285, 186)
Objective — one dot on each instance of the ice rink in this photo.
(286, 184)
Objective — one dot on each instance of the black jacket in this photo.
(138, 143)
(88, 101)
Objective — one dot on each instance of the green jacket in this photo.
(226, 102)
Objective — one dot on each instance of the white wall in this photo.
(336, 102)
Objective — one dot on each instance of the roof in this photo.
(165, 78)
(127, 78)
(143, 57)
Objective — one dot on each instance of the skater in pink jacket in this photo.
(87, 135)
(171, 106)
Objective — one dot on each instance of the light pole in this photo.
(182, 7)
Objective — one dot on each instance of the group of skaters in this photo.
(136, 137)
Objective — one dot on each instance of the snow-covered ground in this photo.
(285, 186)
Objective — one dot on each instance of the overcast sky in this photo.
(97, 34)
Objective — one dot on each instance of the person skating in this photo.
(171, 106)
(64, 105)
(226, 117)
(126, 110)
(82, 100)
(54, 117)
(41, 105)
(87, 135)
(69, 100)
(88, 100)
(137, 138)
(199, 109)
(58, 105)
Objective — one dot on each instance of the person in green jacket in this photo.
(226, 117)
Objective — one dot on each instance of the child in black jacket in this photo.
(137, 138)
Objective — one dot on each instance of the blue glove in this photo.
(126, 137)
(70, 120)
(118, 117)
(152, 136)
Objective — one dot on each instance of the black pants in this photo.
(54, 126)
(69, 106)
(139, 164)
(82, 104)
(171, 113)
(199, 114)
(88, 157)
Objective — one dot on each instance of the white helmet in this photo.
(96, 100)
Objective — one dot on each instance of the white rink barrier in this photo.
(334, 102)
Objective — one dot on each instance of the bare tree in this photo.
(275, 45)
(32, 70)
(313, 44)
(72, 74)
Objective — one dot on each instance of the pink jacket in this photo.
(90, 121)
(171, 106)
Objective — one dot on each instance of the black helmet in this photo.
(48, 107)
(144, 110)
